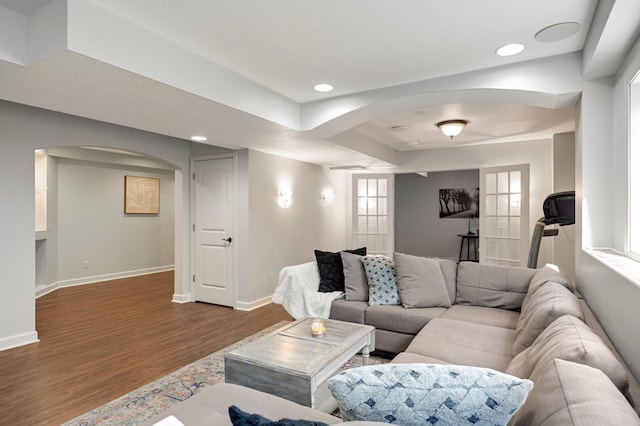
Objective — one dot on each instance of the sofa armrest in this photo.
(211, 405)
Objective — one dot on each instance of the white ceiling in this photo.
(283, 48)
(288, 46)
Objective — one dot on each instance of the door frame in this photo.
(192, 205)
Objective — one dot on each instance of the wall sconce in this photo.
(285, 197)
(327, 196)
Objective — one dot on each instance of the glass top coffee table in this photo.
(293, 364)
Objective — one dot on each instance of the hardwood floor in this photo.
(100, 341)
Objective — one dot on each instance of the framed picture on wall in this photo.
(459, 203)
(141, 195)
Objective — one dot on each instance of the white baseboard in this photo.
(182, 298)
(42, 290)
(18, 340)
(249, 306)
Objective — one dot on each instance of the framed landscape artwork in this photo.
(459, 203)
(141, 195)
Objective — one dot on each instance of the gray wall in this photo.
(564, 179)
(271, 237)
(418, 228)
(92, 225)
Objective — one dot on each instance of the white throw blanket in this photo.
(297, 291)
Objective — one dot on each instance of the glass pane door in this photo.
(373, 213)
(504, 215)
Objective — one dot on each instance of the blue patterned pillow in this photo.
(431, 394)
(381, 277)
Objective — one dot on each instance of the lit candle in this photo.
(318, 327)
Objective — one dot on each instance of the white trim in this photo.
(182, 298)
(18, 340)
(249, 306)
(98, 278)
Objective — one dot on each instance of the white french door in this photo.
(504, 215)
(372, 201)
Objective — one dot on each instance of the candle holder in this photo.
(318, 328)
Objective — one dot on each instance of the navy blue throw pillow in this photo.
(242, 418)
(331, 269)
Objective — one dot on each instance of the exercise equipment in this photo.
(558, 208)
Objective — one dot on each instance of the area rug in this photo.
(143, 403)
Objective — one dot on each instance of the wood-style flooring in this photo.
(100, 341)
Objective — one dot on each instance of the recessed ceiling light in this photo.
(413, 142)
(323, 87)
(198, 138)
(557, 32)
(510, 49)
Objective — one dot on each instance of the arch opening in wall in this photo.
(83, 234)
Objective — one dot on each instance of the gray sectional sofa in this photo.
(527, 323)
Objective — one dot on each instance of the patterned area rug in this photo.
(155, 397)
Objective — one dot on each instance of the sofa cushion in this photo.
(571, 394)
(411, 358)
(449, 272)
(465, 343)
(392, 342)
(345, 310)
(381, 277)
(396, 318)
(418, 394)
(355, 280)
(548, 273)
(420, 282)
(331, 269)
(548, 303)
(492, 286)
(482, 315)
(570, 339)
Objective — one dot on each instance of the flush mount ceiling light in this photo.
(510, 49)
(452, 128)
(323, 87)
(198, 138)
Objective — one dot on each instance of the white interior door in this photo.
(504, 215)
(214, 190)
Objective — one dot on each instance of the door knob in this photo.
(228, 240)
